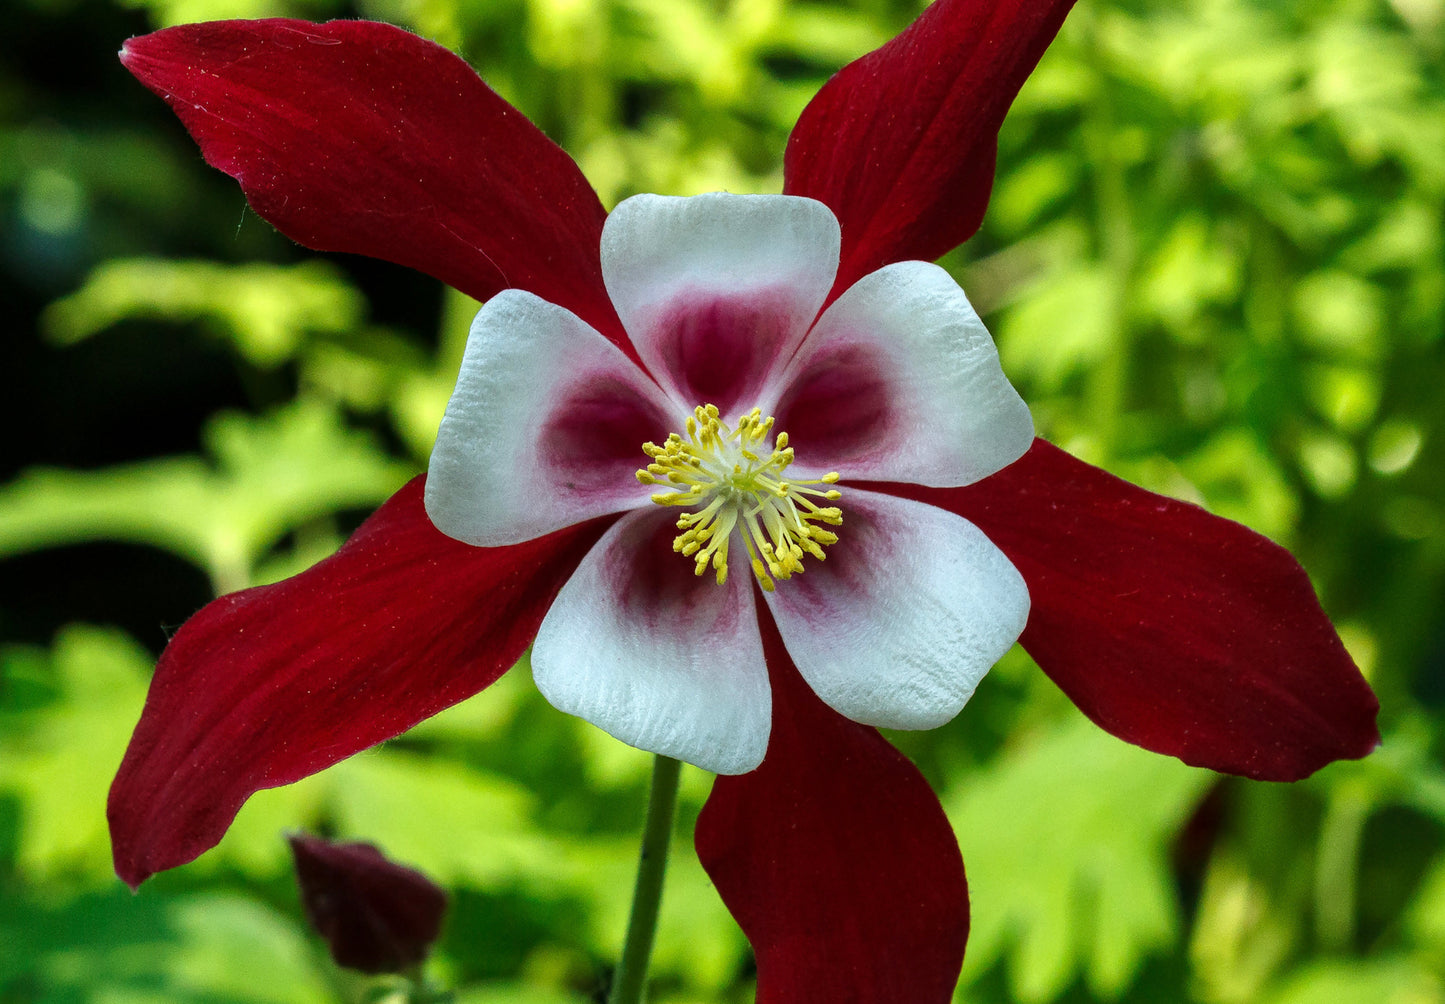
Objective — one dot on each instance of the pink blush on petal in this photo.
(655, 585)
(593, 444)
(719, 350)
(838, 409)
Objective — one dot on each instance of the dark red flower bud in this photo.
(377, 916)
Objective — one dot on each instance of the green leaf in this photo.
(266, 311)
(469, 826)
(519, 993)
(456, 824)
(1066, 840)
(1397, 980)
(1065, 327)
(59, 759)
(216, 948)
(1241, 480)
(1243, 931)
(271, 475)
(1341, 315)
(238, 949)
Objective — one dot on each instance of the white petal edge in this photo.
(678, 671)
(659, 249)
(953, 416)
(490, 481)
(913, 606)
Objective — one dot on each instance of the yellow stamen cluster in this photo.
(722, 470)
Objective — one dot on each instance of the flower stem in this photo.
(1337, 866)
(630, 980)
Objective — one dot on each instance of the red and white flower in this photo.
(655, 637)
(1174, 629)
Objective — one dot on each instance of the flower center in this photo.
(722, 471)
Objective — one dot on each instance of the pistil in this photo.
(721, 474)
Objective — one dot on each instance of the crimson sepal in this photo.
(269, 685)
(836, 859)
(357, 136)
(1174, 629)
(376, 916)
(901, 143)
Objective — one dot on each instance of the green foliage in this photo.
(59, 743)
(1214, 262)
(1390, 981)
(264, 310)
(1093, 896)
(271, 476)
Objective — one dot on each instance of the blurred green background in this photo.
(1213, 263)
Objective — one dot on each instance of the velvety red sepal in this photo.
(900, 144)
(357, 136)
(837, 861)
(1174, 629)
(266, 686)
(376, 916)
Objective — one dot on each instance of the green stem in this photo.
(1337, 866)
(630, 981)
(1114, 224)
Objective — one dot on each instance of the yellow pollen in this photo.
(721, 475)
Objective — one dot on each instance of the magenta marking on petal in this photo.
(593, 443)
(721, 350)
(652, 584)
(866, 542)
(838, 409)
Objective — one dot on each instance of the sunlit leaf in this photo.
(271, 475)
(1066, 327)
(1067, 844)
(265, 310)
(1242, 935)
(59, 758)
(1379, 981)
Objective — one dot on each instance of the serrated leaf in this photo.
(272, 474)
(59, 759)
(265, 310)
(1066, 841)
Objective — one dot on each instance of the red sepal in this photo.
(900, 144)
(1174, 629)
(837, 861)
(266, 686)
(357, 136)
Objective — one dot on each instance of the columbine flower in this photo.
(1182, 632)
(891, 613)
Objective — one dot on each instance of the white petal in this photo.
(717, 290)
(662, 659)
(906, 615)
(545, 427)
(900, 381)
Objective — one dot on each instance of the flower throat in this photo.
(723, 470)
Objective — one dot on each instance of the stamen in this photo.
(723, 471)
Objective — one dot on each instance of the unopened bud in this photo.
(377, 916)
